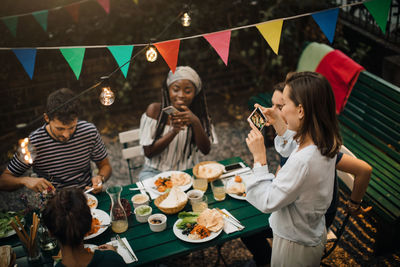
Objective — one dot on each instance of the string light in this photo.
(151, 54)
(186, 19)
(107, 97)
(26, 151)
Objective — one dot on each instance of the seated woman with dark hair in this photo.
(68, 218)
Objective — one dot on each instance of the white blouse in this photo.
(298, 196)
(173, 157)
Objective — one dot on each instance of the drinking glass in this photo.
(119, 221)
(200, 184)
(199, 204)
(218, 189)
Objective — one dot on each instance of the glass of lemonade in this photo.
(200, 184)
(199, 204)
(218, 189)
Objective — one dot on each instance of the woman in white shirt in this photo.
(172, 142)
(300, 194)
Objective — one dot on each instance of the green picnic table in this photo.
(151, 247)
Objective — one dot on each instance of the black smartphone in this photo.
(234, 166)
(257, 118)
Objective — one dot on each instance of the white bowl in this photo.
(157, 227)
(194, 194)
(142, 217)
(140, 199)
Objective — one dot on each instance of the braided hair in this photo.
(198, 107)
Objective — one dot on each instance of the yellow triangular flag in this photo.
(136, 2)
(271, 31)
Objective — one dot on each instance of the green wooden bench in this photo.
(370, 128)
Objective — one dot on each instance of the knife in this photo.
(122, 243)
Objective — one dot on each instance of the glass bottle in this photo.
(119, 221)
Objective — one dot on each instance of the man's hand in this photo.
(38, 184)
(107, 247)
(97, 184)
(255, 143)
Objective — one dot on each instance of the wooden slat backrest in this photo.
(129, 136)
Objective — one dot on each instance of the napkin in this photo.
(122, 251)
(148, 183)
(228, 226)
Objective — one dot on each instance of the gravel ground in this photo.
(354, 249)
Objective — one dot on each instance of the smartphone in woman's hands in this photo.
(170, 110)
(257, 118)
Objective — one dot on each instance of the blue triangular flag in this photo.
(27, 58)
(326, 20)
(122, 54)
(41, 18)
(11, 23)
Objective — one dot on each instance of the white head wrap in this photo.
(185, 73)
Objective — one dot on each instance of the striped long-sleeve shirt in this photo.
(64, 164)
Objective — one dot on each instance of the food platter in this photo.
(178, 234)
(5, 218)
(168, 174)
(104, 218)
(231, 182)
(92, 201)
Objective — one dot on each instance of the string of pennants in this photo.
(220, 41)
(41, 16)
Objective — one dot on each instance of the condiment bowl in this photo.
(157, 222)
(140, 199)
(142, 213)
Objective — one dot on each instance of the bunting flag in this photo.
(136, 2)
(41, 18)
(169, 51)
(74, 57)
(27, 58)
(11, 23)
(105, 4)
(220, 41)
(122, 54)
(271, 31)
(73, 10)
(379, 9)
(327, 20)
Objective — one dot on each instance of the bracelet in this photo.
(354, 202)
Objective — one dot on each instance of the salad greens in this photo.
(188, 218)
(5, 218)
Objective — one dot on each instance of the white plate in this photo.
(103, 217)
(166, 174)
(91, 247)
(12, 231)
(230, 183)
(178, 234)
(92, 200)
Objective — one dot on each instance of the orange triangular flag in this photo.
(220, 42)
(169, 51)
(73, 10)
(271, 31)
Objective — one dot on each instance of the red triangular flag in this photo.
(220, 42)
(105, 4)
(169, 51)
(73, 10)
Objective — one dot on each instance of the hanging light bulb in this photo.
(107, 97)
(151, 54)
(186, 19)
(26, 151)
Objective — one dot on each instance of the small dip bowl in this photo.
(142, 213)
(194, 195)
(140, 199)
(157, 222)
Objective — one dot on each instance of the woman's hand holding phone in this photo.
(255, 143)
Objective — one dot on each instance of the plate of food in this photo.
(210, 170)
(99, 217)
(236, 188)
(91, 201)
(166, 180)
(193, 227)
(5, 227)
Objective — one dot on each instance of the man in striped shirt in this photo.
(64, 148)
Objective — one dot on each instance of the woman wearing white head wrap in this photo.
(172, 142)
